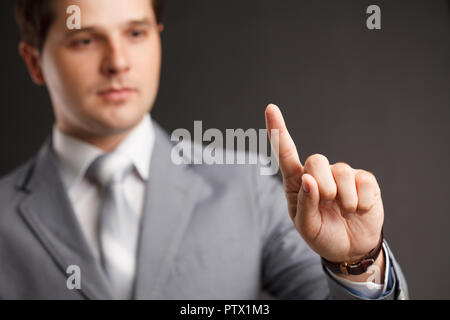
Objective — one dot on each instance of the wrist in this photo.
(378, 266)
(360, 266)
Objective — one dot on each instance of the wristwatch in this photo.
(358, 267)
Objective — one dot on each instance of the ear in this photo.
(160, 27)
(32, 59)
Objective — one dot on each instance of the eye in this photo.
(83, 42)
(137, 33)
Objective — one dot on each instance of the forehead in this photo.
(104, 13)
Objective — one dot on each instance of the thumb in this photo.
(308, 215)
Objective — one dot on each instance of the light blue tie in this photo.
(118, 222)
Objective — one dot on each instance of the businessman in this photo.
(102, 194)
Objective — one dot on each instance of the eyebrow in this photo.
(143, 22)
(146, 22)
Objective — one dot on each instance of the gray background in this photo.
(378, 100)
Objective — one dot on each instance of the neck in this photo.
(106, 143)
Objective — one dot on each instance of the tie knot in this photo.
(109, 168)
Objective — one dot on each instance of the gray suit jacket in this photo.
(208, 232)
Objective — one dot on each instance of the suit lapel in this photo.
(170, 198)
(171, 194)
(48, 213)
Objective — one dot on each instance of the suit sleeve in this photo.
(290, 268)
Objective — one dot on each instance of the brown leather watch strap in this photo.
(358, 267)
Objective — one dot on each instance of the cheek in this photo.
(73, 73)
(80, 72)
(149, 59)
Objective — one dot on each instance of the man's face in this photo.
(103, 78)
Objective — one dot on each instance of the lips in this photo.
(116, 94)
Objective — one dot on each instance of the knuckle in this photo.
(342, 170)
(316, 160)
(329, 192)
(365, 178)
(350, 206)
(366, 206)
(287, 154)
(377, 191)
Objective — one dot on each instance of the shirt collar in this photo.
(75, 155)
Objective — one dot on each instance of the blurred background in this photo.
(376, 99)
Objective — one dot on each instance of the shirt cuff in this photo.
(368, 290)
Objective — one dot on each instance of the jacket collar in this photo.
(171, 193)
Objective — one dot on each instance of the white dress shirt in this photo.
(75, 156)
(370, 290)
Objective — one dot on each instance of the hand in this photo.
(338, 210)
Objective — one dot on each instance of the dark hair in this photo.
(35, 17)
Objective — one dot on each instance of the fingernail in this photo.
(305, 187)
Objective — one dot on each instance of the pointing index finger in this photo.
(288, 161)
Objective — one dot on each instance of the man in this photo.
(103, 196)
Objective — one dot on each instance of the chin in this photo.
(120, 123)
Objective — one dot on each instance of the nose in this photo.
(116, 60)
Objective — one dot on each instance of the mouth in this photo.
(117, 94)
